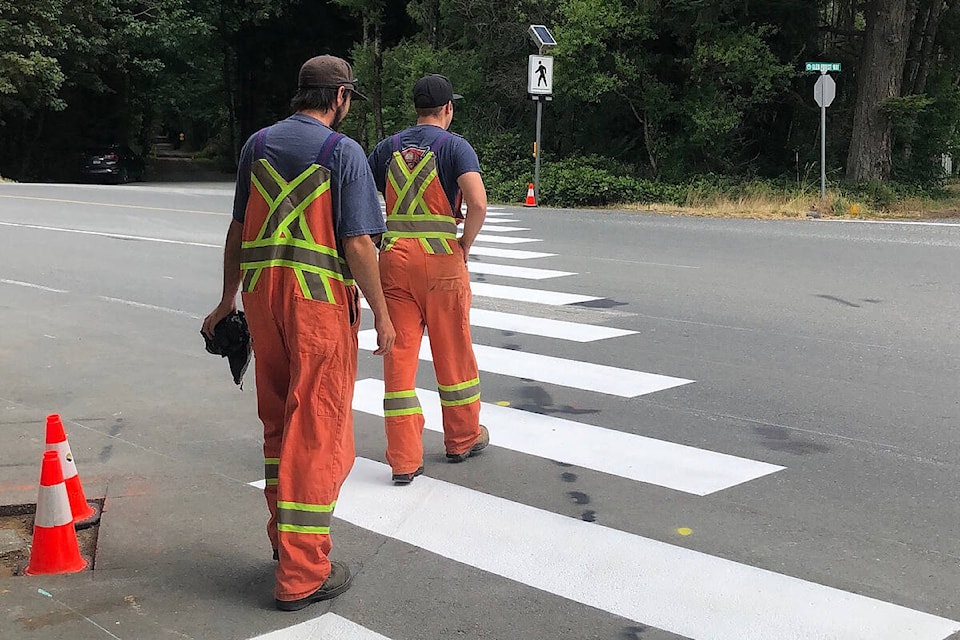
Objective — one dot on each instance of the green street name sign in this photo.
(823, 66)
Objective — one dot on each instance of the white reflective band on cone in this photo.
(53, 507)
(66, 458)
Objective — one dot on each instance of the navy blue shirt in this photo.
(291, 146)
(455, 157)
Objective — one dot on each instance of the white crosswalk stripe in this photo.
(513, 254)
(618, 453)
(505, 239)
(329, 626)
(545, 327)
(510, 271)
(625, 383)
(498, 229)
(540, 296)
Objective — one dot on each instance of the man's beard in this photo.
(338, 117)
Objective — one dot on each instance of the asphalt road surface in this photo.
(700, 428)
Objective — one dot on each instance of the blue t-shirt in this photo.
(455, 157)
(291, 146)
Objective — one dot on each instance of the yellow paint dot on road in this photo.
(684, 531)
(502, 403)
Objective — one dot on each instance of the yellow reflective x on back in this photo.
(410, 215)
(285, 240)
(410, 184)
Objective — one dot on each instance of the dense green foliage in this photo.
(649, 94)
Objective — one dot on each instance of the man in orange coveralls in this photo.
(424, 172)
(305, 221)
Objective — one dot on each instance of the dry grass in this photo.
(774, 206)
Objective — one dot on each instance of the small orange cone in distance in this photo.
(531, 198)
(84, 513)
(55, 548)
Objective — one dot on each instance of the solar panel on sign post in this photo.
(544, 35)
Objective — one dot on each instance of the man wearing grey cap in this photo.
(424, 173)
(305, 221)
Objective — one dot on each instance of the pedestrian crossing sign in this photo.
(540, 76)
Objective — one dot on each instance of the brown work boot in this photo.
(482, 441)
(336, 583)
(407, 478)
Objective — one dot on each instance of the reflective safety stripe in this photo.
(299, 517)
(271, 469)
(436, 245)
(459, 394)
(285, 239)
(422, 229)
(290, 250)
(401, 403)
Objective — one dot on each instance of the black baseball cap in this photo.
(328, 72)
(433, 91)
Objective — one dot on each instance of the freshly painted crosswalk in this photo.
(653, 583)
(626, 383)
(676, 589)
(626, 455)
(683, 591)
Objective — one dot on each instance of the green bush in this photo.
(588, 181)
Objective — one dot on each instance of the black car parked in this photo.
(112, 163)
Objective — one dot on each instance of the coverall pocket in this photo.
(320, 327)
(452, 294)
(325, 375)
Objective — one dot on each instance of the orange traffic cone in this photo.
(531, 198)
(85, 513)
(55, 548)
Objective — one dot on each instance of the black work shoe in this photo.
(336, 583)
(482, 441)
(407, 478)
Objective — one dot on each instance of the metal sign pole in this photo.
(536, 166)
(540, 66)
(824, 91)
(823, 153)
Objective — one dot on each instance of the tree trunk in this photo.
(435, 25)
(377, 98)
(364, 132)
(879, 76)
(230, 101)
(926, 50)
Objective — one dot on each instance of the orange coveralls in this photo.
(303, 314)
(426, 284)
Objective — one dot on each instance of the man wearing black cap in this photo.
(305, 219)
(424, 173)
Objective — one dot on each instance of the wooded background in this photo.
(647, 92)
